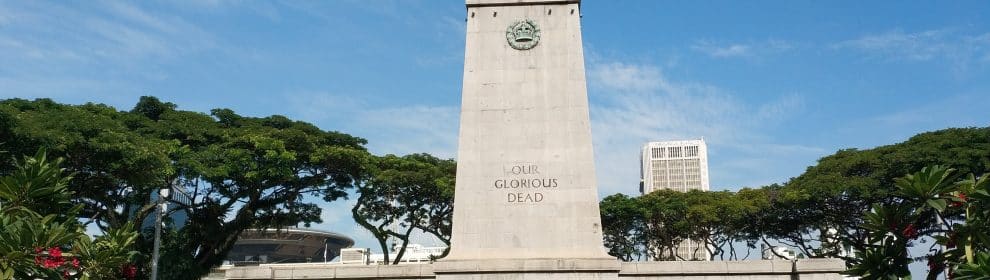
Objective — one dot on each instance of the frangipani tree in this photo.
(40, 237)
(929, 203)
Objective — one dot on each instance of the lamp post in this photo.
(160, 207)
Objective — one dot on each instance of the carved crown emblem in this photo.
(523, 35)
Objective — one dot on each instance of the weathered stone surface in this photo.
(249, 273)
(805, 269)
(814, 265)
(332, 271)
(475, 3)
(531, 276)
(525, 178)
(526, 265)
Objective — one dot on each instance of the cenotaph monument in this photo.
(526, 197)
(526, 203)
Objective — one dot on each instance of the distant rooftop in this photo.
(288, 245)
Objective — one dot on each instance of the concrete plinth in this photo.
(531, 269)
(528, 269)
(806, 269)
(332, 271)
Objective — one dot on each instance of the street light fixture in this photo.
(160, 207)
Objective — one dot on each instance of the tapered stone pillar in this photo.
(526, 196)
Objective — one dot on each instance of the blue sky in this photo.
(771, 86)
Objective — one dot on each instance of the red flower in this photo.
(962, 199)
(38, 258)
(909, 231)
(51, 263)
(50, 259)
(55, 256)
(129, 271)
(75, 262)
(55, 252)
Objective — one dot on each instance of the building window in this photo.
(691, 151)
(657, 152)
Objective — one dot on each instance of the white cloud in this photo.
(320, 105)
(939, 44)
(68, 89)
(414, 129)
(774, 111)
(623, 77)
(136, 15)
(752, 49)
(121, 33)
(731, 50)
(638, 104)
(914, 46)
(389, 130)
(98, 53)
(960, 109)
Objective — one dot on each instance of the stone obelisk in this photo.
(526, 193)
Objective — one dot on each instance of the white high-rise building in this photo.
(680, 166)
(676, 165)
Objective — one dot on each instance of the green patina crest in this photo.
(523, 35)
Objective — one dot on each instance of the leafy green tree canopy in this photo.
(228, 172)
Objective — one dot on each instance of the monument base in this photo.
(530, 269)
(532, 276)
(540, 269)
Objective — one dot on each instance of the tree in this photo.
(114, 167)
(230, 172)
(622, 222)
(152, 108)
(973, 256)
(928, 203)
(664, 224)
(404, 194)
(40, 236)
(717, 219)
(654, 225)
(826, 203)
(749, 227)
(438, 212)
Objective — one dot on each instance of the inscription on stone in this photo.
(523, 183)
